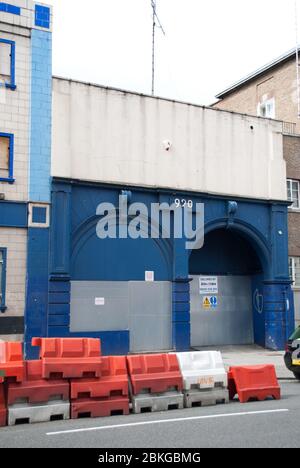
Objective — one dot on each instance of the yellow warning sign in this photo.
(210, 302)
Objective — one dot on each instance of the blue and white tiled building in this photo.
(25, 158)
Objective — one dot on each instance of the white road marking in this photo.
(166, 421)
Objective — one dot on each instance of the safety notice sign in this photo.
(208, 285)
(210, 302)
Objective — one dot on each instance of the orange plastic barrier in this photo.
(99, 408)
(11, 361)
(69, 357)
(35, 389)
(253, 382)
(113, 381)
(3, 410)
(154, 373)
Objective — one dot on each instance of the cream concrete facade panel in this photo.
(112, 136)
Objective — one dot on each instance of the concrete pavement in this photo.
(253, 355)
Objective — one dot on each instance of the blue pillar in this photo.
(60, 245)
(181, 297)
(279, 314)
(36, 312)
(37, 288)
(278, 299)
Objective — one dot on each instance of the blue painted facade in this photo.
(42, 16)
(41, 117)
(13, 214)
(3, 252)
(8, 8)
(36, 313)
(12, 83)
(76, 253)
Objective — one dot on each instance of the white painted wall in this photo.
(112, 136)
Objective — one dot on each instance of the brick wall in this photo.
(291, 153)
(279, 83)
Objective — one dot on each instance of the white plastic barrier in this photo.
(38, 413)
(203, 369)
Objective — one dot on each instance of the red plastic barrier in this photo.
(99, 408)
(69, 357)
(34, 389)
(154, 373)
(113, 381)
(11, 361)
(3, 410)
(253, 382)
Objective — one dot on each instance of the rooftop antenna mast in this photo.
(156, 23)
(297, 59)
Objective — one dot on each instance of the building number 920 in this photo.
(183, 203)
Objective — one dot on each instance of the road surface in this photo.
(255, 424)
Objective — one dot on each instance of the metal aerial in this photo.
(297, 60)
(156, 23)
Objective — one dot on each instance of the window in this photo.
(293, 193)
(7, 63)
(2, 279)
(38, 215)
(294, 270)
(267, 109)
(6, 157)
(42, 16)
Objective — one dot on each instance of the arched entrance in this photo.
(110, 291)
(227, 276)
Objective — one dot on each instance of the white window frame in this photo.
(264, 105)
(30, 215)
(294, 271)
(290, 189)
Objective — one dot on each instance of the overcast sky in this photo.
(209, 44)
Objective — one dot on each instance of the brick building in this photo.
(271, 92)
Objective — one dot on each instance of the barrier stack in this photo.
(106, 395)
(72, 379)
(37, 399)
(155, 382)
(204, 378)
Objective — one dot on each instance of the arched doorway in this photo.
(110, 291)
(226, 275)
